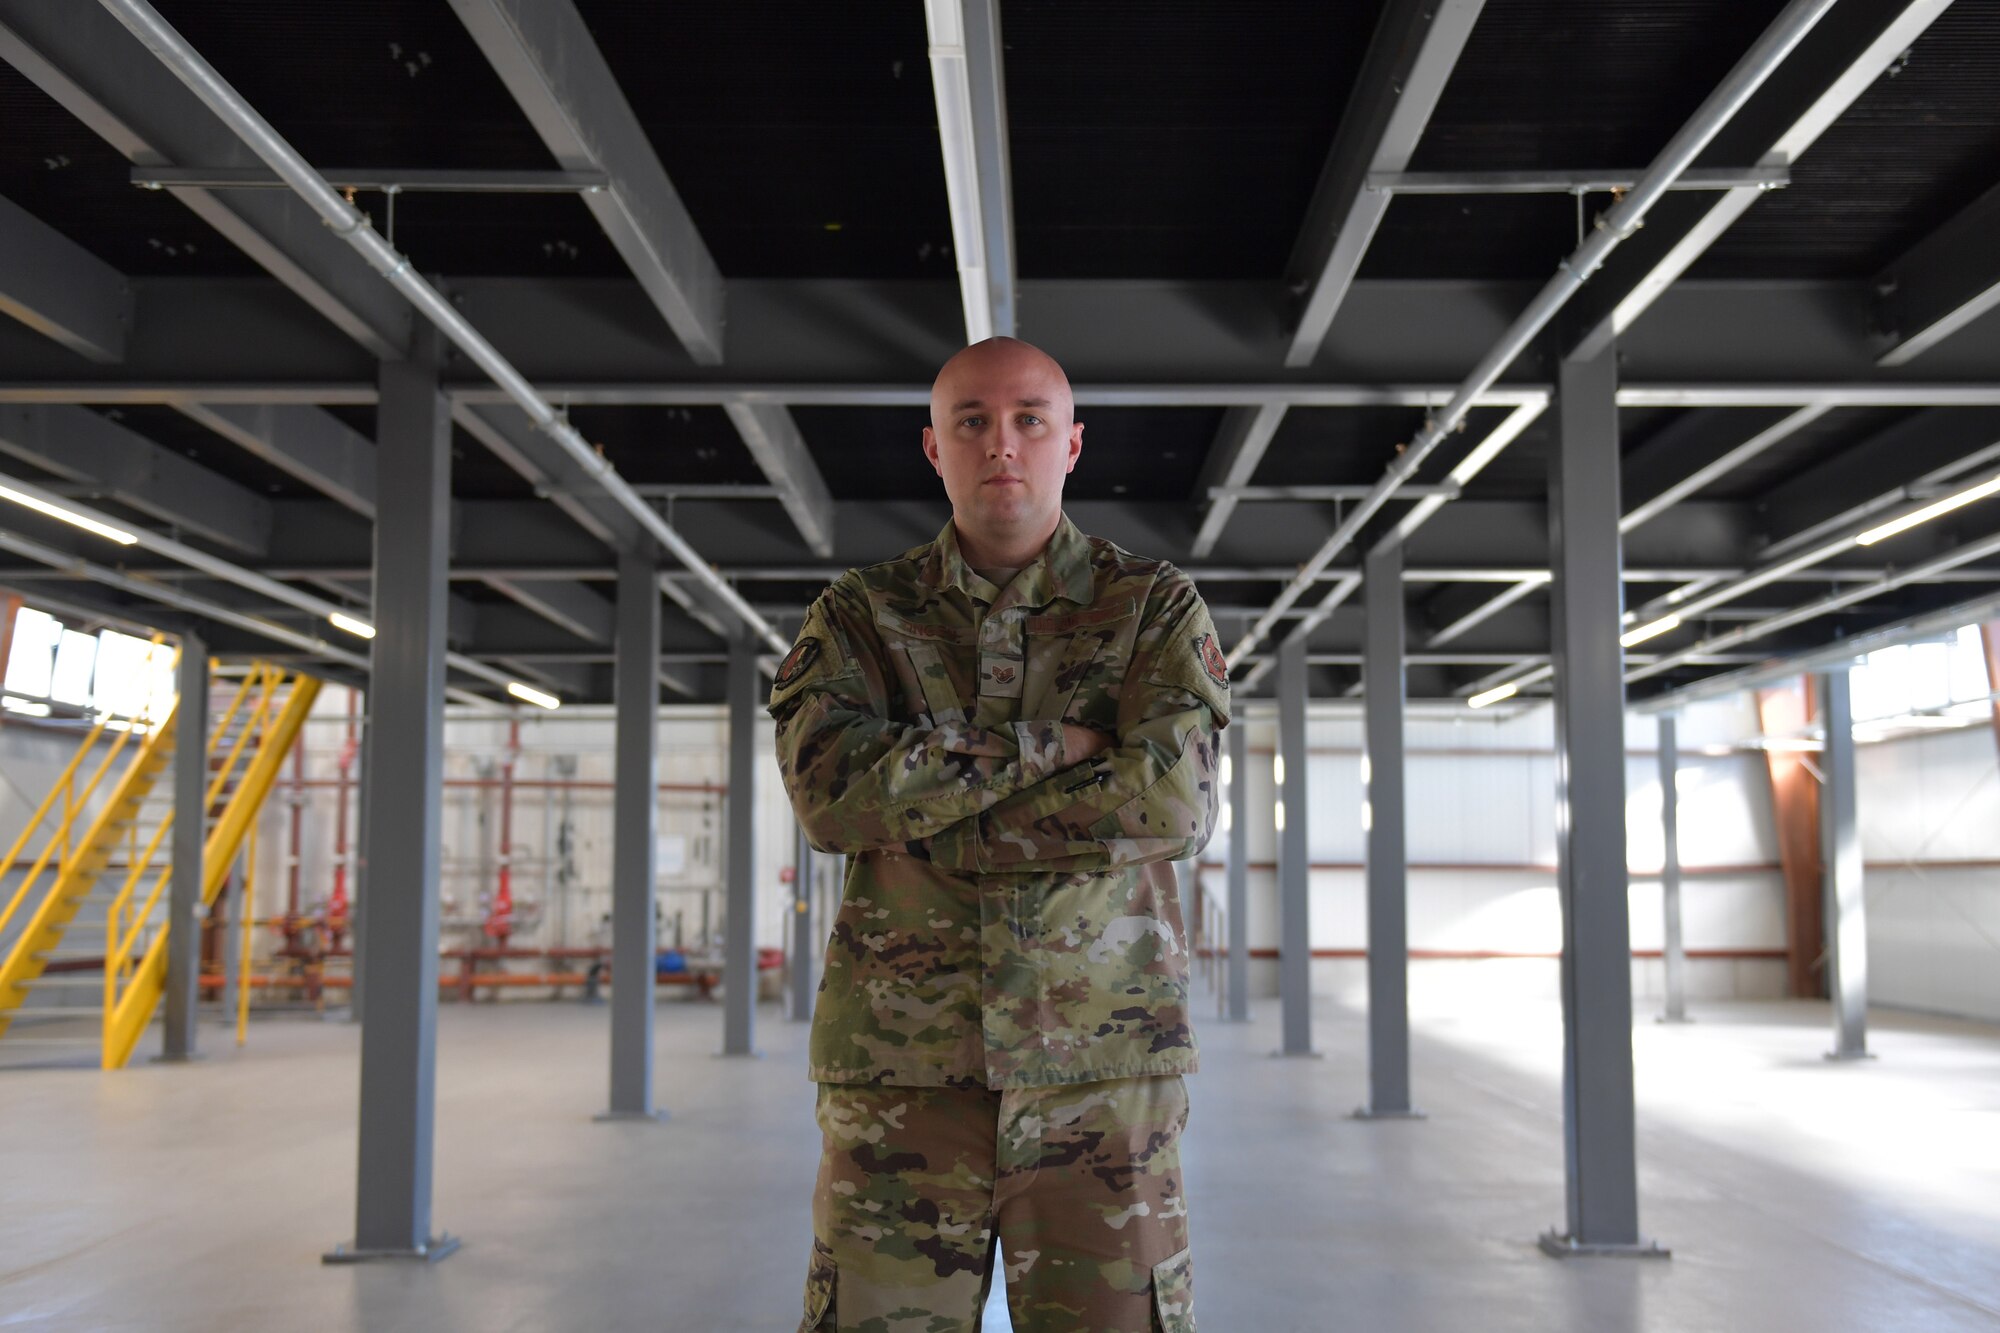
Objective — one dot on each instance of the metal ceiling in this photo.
(1169, 164)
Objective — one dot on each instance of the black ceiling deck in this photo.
(1164, 161)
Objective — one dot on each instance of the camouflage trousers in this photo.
(1082, 1184)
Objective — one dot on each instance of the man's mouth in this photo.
(1003, 480)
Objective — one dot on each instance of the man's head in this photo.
(1003, 435)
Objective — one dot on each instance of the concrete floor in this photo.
(1794, 1194)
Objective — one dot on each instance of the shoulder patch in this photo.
(1212, 660)
(804, 653)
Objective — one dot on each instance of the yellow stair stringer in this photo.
(72, 885)
(134, 1009)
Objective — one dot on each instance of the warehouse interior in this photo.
(1582, 420)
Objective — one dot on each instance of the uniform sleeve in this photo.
(858, 780)
(1152, 796)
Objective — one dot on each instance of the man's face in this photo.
(1002, 436)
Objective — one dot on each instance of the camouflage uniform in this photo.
(1009, 925)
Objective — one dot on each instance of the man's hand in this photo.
(1081, 743)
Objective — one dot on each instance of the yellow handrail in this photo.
(121, 944)
(60, 837)
(62, 784)
(134, 983)
(243, 957)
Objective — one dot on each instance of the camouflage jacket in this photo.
(1008, 919)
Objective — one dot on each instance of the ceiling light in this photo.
(1929, 512)
(1494, 695)
(1652, 631)
(341, 620)
(529, 694)
(40, 506)
(31, 707)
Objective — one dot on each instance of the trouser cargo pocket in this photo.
(1173, 1293)
(820, 1282)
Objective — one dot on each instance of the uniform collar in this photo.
(1061, 571)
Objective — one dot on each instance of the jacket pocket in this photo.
(1173, 1293)
(821, 1279)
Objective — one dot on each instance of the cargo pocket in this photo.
(820, 1281)
(1173, 1293)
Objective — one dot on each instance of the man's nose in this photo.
(1004, 442)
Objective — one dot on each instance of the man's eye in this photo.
(973, 423)
(1031, 421)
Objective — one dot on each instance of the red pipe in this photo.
(337, 902)
(500, 915)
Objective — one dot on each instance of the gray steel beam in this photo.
(1841, 651)
(1941, 284)
(1384, 700)
(1410, 58)
(351, 227)
(1240, 445)
(636, 760)
(311, 444)
(1835, 63)
(739, 951)
(1567, 182)
(574, 606)
(1237, 736)
(838, 342)
(1716, 469)
(543, 463)
(1844, 877)
(1294, 857)
(402, 180)
(85, 60)
(1486, 610)
(544, 53)
(1598, 1108)
(1674, 951)
(95, 452)
(405, 809)
(61, 290)
(188, 843)
(969, 82)
(780, 452)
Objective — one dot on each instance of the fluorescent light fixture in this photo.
(1278, 816)
(341, 620)
(1929, 512)
(1278, 770)
(1663, 625)
(1494, 695)
(40, 506)
(529, 694)
(31, 707)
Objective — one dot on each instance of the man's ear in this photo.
(931, 450)
(1075, 445)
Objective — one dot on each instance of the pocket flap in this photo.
(821, 1279)
(1173, 1293)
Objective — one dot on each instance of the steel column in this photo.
(404, 809)
(1840, 855)
(636, 761)
(739, 945)
(190, 834)
(1294, 861)
(1238, 737)
(1383, 688)
(1673, 952)
(1598, 1114)
(804, 982)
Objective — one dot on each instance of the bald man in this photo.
(1009, 731)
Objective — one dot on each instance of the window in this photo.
(1945, 679)
(107, 672)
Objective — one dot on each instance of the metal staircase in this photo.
(91, 906)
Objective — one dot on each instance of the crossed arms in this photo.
(1028, 796)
